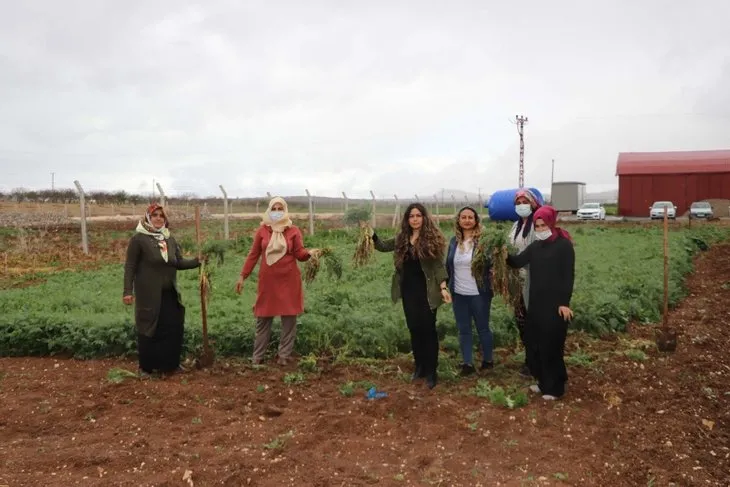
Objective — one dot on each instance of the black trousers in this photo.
(161, 352)
(421, 322)
(545, 349)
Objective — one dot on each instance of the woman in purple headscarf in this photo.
(551, 258)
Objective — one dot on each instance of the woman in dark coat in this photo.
(552, 266)
(420, 280)
(150, 281)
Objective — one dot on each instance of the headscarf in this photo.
(277, 247)
(526, 224)
(145, 227)
(549, 215)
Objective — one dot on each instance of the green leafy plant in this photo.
(498, 396)
(294, 378)
(117, 376)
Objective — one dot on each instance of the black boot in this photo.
(467, 369)
(486, 365)
(417, 373)
(432, 380)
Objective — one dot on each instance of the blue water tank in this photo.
(502, 204)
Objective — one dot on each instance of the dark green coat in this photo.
(433, 269)
(145, 275)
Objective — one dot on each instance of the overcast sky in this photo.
(397, 97)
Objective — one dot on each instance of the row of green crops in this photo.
(618, 279)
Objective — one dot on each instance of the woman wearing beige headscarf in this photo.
(279, 291)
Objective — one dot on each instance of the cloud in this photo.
(331, 97)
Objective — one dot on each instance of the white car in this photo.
(657, 210)
(700, 209)
(592, 211)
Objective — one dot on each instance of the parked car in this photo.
(657, 210)
(592, 211)
(700, 209)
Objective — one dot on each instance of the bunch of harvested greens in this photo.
(332, 264)
(217, 249)
(211, 251)
(365, 246)
(493, 247)
(207, 356)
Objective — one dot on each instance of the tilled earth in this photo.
(632, 416)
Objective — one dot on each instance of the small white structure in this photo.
(568, 196)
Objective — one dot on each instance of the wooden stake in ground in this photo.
(666, 339)
(206, 359)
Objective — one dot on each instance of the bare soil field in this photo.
(659, 421)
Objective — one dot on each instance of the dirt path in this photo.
(659, 421)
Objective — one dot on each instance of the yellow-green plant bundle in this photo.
(365, 246)
(212, 251)
(332, 264)
(493, 247)
(206, 273)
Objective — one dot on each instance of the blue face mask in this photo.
(276, 215)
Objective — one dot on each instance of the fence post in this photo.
(417, 200)
(311, 213)
(346, 205)
(453, 199)
(396, 211)
(163, 198)
(225, 212)
(481, 203)
(436, 199)
(374, 221)
(82, 200)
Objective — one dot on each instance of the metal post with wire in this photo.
(521, 121)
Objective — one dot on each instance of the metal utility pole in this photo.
(521, 121)
(552, 180)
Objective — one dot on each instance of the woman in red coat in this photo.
(278, 242)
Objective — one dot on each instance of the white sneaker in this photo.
(548, 397)
(535, 388)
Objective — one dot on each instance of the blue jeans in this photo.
(466, 309)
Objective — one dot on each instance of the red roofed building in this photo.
(679, 177)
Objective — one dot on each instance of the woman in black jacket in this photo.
(150, 276)
(552, 270)
(420, 280)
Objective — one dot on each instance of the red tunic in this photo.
(280, 285)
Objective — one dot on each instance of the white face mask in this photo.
(544, 235)
(524, 210)
(276, 215)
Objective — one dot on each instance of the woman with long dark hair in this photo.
(472, 302)
(420, 281)
(552, 270)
